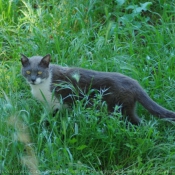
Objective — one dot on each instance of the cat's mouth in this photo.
(33, 83)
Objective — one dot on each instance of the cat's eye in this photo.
(28, 72)
(39, 72)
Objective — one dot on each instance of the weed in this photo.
(135, 38)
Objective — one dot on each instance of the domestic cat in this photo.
(46, 79)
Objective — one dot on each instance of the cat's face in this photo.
(35, 69)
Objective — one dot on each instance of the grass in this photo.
(135, 38)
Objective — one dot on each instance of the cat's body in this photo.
(119, 89)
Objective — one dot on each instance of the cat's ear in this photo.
(45, 61)
(24, 60)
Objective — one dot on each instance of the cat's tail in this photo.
(154, 108)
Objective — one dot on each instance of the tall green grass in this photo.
(135, 38)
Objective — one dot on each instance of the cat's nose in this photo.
(33, 79)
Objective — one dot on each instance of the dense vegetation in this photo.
(135, 38)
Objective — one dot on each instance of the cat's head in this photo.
(35, 69)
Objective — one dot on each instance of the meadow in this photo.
(134, 38)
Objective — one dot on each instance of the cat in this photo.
(46, 82)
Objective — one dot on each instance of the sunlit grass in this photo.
(136, 39)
